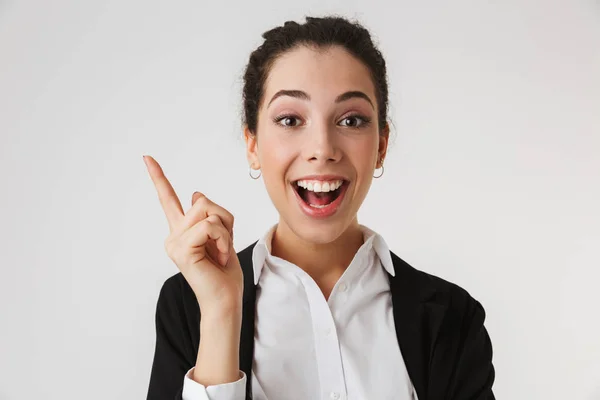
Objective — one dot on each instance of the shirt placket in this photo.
(327, 347)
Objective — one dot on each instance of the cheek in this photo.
(276, 155)
(363, 155)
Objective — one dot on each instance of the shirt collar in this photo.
(262, 250)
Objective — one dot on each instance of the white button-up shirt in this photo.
(307, 347)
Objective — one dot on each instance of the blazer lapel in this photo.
(417, 317)
(248, 314)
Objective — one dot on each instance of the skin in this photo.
(325, 138)
(322, 137)
(200, 243)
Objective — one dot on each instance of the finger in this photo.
(195, 197)
(209, 229)
(202, 207)
(221, 247)
(167, 196)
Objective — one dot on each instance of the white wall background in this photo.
(493, 180)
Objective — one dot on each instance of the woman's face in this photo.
(318, 117)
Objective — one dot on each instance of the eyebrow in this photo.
(299, 94)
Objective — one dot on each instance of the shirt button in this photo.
(343, 287)
(334, 395)
(328, 331)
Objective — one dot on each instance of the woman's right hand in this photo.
(200, 243)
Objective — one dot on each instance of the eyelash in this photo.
(365, 120)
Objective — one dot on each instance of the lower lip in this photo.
(326, 211)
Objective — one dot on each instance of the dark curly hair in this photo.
(319, 32)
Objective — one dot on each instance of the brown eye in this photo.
(355, 121)
(287, 121)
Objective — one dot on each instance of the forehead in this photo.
(323, 73)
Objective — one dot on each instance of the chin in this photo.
(319, 232)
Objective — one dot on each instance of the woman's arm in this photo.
(216, 373)
(461, 363)
(474, 371)
(218, 352)
(200, 243)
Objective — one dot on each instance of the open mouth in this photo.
(320, 199)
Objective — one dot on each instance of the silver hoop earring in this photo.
(379, 176)
(251, 176)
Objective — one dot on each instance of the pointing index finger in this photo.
(167, 196)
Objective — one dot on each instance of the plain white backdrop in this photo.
(492, 179)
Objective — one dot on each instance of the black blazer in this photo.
(439, 326)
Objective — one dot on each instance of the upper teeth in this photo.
(320, 186)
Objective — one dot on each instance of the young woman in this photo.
(319, 307)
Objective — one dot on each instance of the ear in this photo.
(383, 144)
(251, 148)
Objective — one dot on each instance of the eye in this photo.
(356, 121)
(288, 120)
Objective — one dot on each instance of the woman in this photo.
(319, 307)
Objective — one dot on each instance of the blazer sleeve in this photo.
(173, 354)
(473, 373)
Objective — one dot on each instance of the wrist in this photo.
(222, 317)
(223, 308)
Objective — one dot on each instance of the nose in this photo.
(322, 145)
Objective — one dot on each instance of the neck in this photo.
(324, 262)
